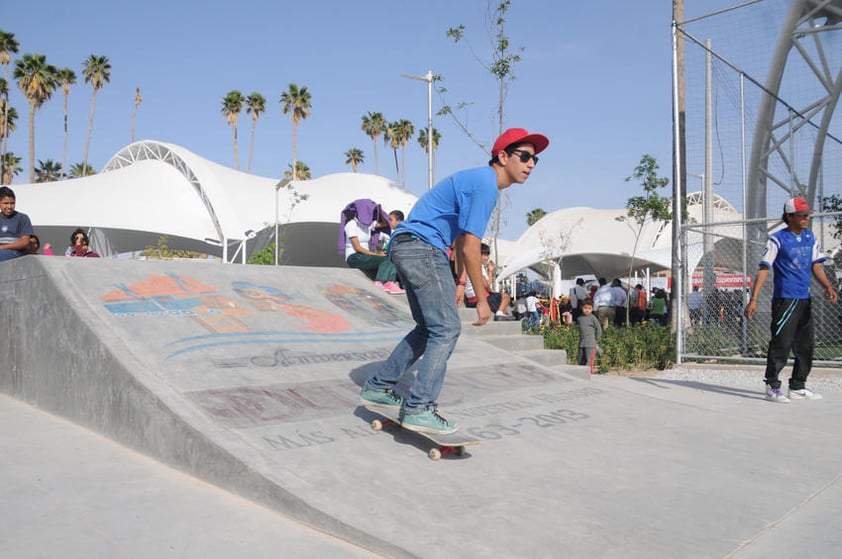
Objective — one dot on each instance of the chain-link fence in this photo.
(713, 324)
(762, 81)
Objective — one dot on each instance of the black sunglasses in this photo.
(524, 156)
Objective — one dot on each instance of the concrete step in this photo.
(515, 343)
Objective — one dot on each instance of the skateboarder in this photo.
(454, 213)
(794, 255)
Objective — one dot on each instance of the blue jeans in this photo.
(425, 273)
(8, 254)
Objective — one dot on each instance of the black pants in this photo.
(792, 330)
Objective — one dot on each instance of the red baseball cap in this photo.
(796, 205)
(519, 136)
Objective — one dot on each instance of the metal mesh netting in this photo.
(762, 81)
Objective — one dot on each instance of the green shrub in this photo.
(638, 347)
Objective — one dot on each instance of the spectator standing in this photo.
(603, 300)
(533, 320)
(618, 300)
(15, 227)
(795, 257)
(695, 301)
(637, 304)
(455, 213)
(590, 332)
(659, 310)
(578, 294)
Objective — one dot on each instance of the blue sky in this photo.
(595, 80)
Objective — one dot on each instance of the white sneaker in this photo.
(775, 395)
(803, 394)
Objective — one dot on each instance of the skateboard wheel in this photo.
(460, 451)
(376, 425)
(434, 454)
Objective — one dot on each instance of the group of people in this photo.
(18, 238)
(364, 234)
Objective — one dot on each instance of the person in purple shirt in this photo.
(453, 213)
(15, 227)
(795, 257)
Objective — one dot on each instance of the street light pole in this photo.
(428, 77)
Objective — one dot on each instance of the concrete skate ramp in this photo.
(248, 377)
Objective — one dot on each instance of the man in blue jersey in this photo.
(794, 256)
(454, 213)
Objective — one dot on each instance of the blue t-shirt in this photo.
(14, 227)
(791, 257)
(461, 203)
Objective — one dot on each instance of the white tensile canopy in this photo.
(152, 188)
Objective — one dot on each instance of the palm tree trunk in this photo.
(88, 141)
(31, 143)
(294, 142)
(403, 165)
(236, 152)
(251, 145)
(376, 166)
(134, 114)
(64, 148)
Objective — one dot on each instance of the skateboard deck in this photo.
(453, 443)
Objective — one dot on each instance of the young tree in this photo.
(354, 157)
(374, 125)
(501, 66)
(66, 77)
(649, 207)
(97, 72)
(37, 81)
(256, 105)
(297, 102)
(232, 106)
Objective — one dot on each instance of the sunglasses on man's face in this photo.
(525, 156)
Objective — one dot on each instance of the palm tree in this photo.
(11, 167)
(374, 124)
(78, 170)
(354, 157)
(533, 216)
(37, 81)
(137, 101)
(8, 47)
(296, 101)
(48, 171)
(422, 139)
(405, 131)
(97, 72)
(391, 138)
(256, 105)
(8, 117)
(66, 77)
(232, 106)
(302, 171)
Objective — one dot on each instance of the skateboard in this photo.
(453, 444)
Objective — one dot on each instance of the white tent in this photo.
(152, 188)
(589, 241)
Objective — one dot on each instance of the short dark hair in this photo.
(484, 249)
(397, 214)
(580, 281)
(587, 302)
(6, 192)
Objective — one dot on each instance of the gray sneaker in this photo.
(428, 421)
(775, 395)
(381, 398)
(803, 394)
